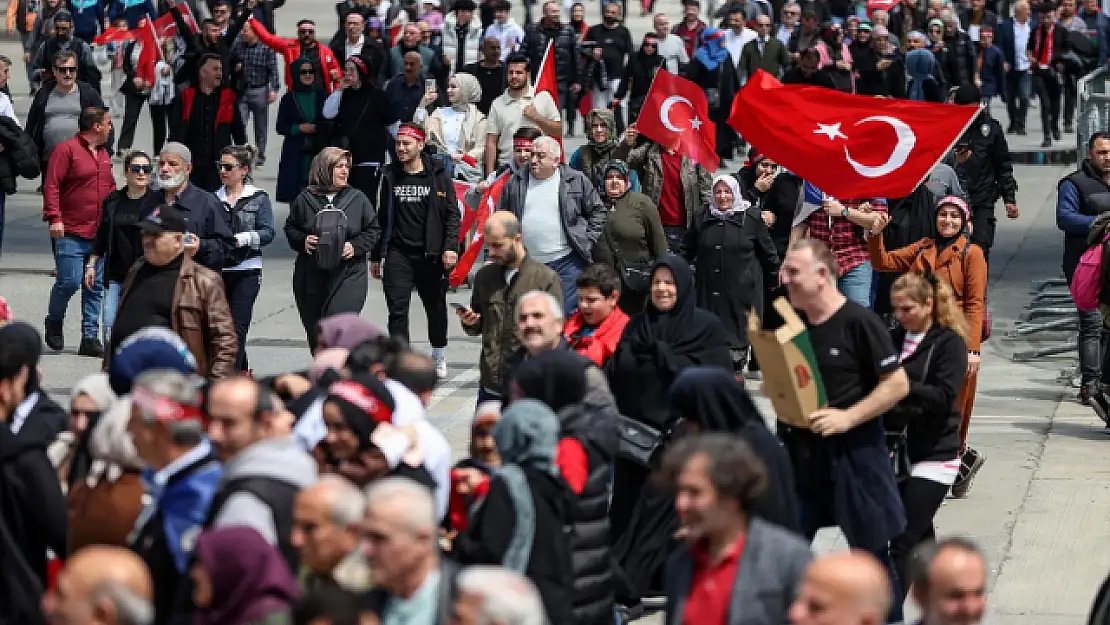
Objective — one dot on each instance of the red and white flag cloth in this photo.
(165, 26)
(848, 146)
(476, 218)
(546, 83)
(676, 116)
(113, 34)
(885, 5)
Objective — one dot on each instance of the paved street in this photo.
(1040, 506)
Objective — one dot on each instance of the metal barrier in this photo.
(1050, 309)
(1092, 108)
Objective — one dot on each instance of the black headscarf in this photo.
(23, 339)
(682, 336)
(362, 423)
(556, 377)
(295, 69)
(712, 398)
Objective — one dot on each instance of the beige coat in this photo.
(472, 136)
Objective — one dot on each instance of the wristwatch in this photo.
(844, 213)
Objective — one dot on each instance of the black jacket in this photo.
(33, 515)
(929, 413)
(36, 115)
(196, 47)
(441, 225)
(534, 46)
(637, 78)
(206, 218)
(113, 228)
(1093, 200)
(20, 157)
(128, 87)
(989, 173)
(187, 128)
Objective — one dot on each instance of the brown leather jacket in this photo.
(201, 317)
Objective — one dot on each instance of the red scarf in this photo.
(1045, 57)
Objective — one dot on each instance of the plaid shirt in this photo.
(844, 238)
(259, 64)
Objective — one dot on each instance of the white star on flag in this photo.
(695, 123)
(832, 131)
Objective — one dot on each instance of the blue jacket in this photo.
(132, 11)
(1068, 217)
(88, 17)
(992, 72)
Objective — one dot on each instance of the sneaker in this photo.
(970, 463)
(260, 161)
(1101, 405)
(90, 347)
(55, 338)
(441, 367)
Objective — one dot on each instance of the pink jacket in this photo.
(826, 58)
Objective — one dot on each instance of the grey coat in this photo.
(647, 160)
(580, 207)
(771, 569)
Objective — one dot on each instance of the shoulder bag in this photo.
(635, 276)
(898, 442)
(640, 443)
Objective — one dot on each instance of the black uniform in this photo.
(986, 176)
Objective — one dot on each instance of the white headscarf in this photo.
(739, 204)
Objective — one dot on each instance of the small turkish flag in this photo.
(112, 34)
(885, 5)
(848, 146)
(546, 83)
(676, 116)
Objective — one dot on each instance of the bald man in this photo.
(102, 586)
(846, 588)
(497, 287)
(949, 580)
(264, 467)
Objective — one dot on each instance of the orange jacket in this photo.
(966, 273)
(600, 346)
(290, 49)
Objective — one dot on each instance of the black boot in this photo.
(90, 346)
(55, 338)
(1047, 143)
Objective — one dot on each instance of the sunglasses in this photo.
(225, 166)
(92, 415)
(66, 70)
(308, 72)
(306, 31)
(141, 169)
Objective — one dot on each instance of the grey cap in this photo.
(178, 149)
(63, 16)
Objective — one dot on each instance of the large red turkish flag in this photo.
(676, 116)
(848, 146)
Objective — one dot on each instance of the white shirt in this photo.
(509, 34)
(736, 42)
(541, 225)
(452, 127)
(1021, 42)
(783, 34)
(353, 49)
(673, 51)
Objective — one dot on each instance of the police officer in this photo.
(985, 170)
(1083, 196)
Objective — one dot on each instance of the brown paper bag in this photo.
(790, 375)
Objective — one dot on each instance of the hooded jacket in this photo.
(258, 489)
(441, 224)
(20, 157)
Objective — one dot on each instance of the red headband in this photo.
(360, 64)
(411, 131)
(362, 398)
(522, 143)
(164, 408)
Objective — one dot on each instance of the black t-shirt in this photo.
(616, 45)
(492, 80)
(853, 350)
(410, 207)
(149, 301)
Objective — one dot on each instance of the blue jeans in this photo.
(856, 284)
(111, 306)
(568, 268)
(70, 253)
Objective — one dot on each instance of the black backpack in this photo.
(330, 225)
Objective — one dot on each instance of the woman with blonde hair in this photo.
(332, 226)
(953, 258)
(923, 428)
(457, 131)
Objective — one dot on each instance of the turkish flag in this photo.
(676, 116)
(149, 50)
(885, 5)
(848, 146)
(165, 26)
(546, 83)
(486, 206)
(585, 104)
(111, 34)
(395, 33)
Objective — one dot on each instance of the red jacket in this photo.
(599, 346)
(77, 183)
(290, 49)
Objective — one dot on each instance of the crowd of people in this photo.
(615, 452)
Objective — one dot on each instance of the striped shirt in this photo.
(910, 344)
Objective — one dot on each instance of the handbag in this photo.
(635, 276)
(897, 443)
(639, 442)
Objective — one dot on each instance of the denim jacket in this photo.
(252, 227)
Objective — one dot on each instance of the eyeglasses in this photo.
(141, 169)
(66, 70)
(308, 72)
(225, 166)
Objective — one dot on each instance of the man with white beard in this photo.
(209, 230)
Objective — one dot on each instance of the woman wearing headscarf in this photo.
(602, 141)
(633, 238)
(345, 330)
(926, 78)
(658, 344)
(726, 241)
(561, 378)
(713, 71)
(300, 113)
(520, 524)
(638, 74)
(322, 290)
(358, 115)
(457, 131)
(836, 59)
(240, 579)
(951, 256)
(91, 397)
(104, 505)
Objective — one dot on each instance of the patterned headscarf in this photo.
(606, 116)
(320, 173)
(470, 91)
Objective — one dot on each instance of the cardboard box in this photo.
(790, 375)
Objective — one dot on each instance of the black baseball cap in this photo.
(164, 218)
